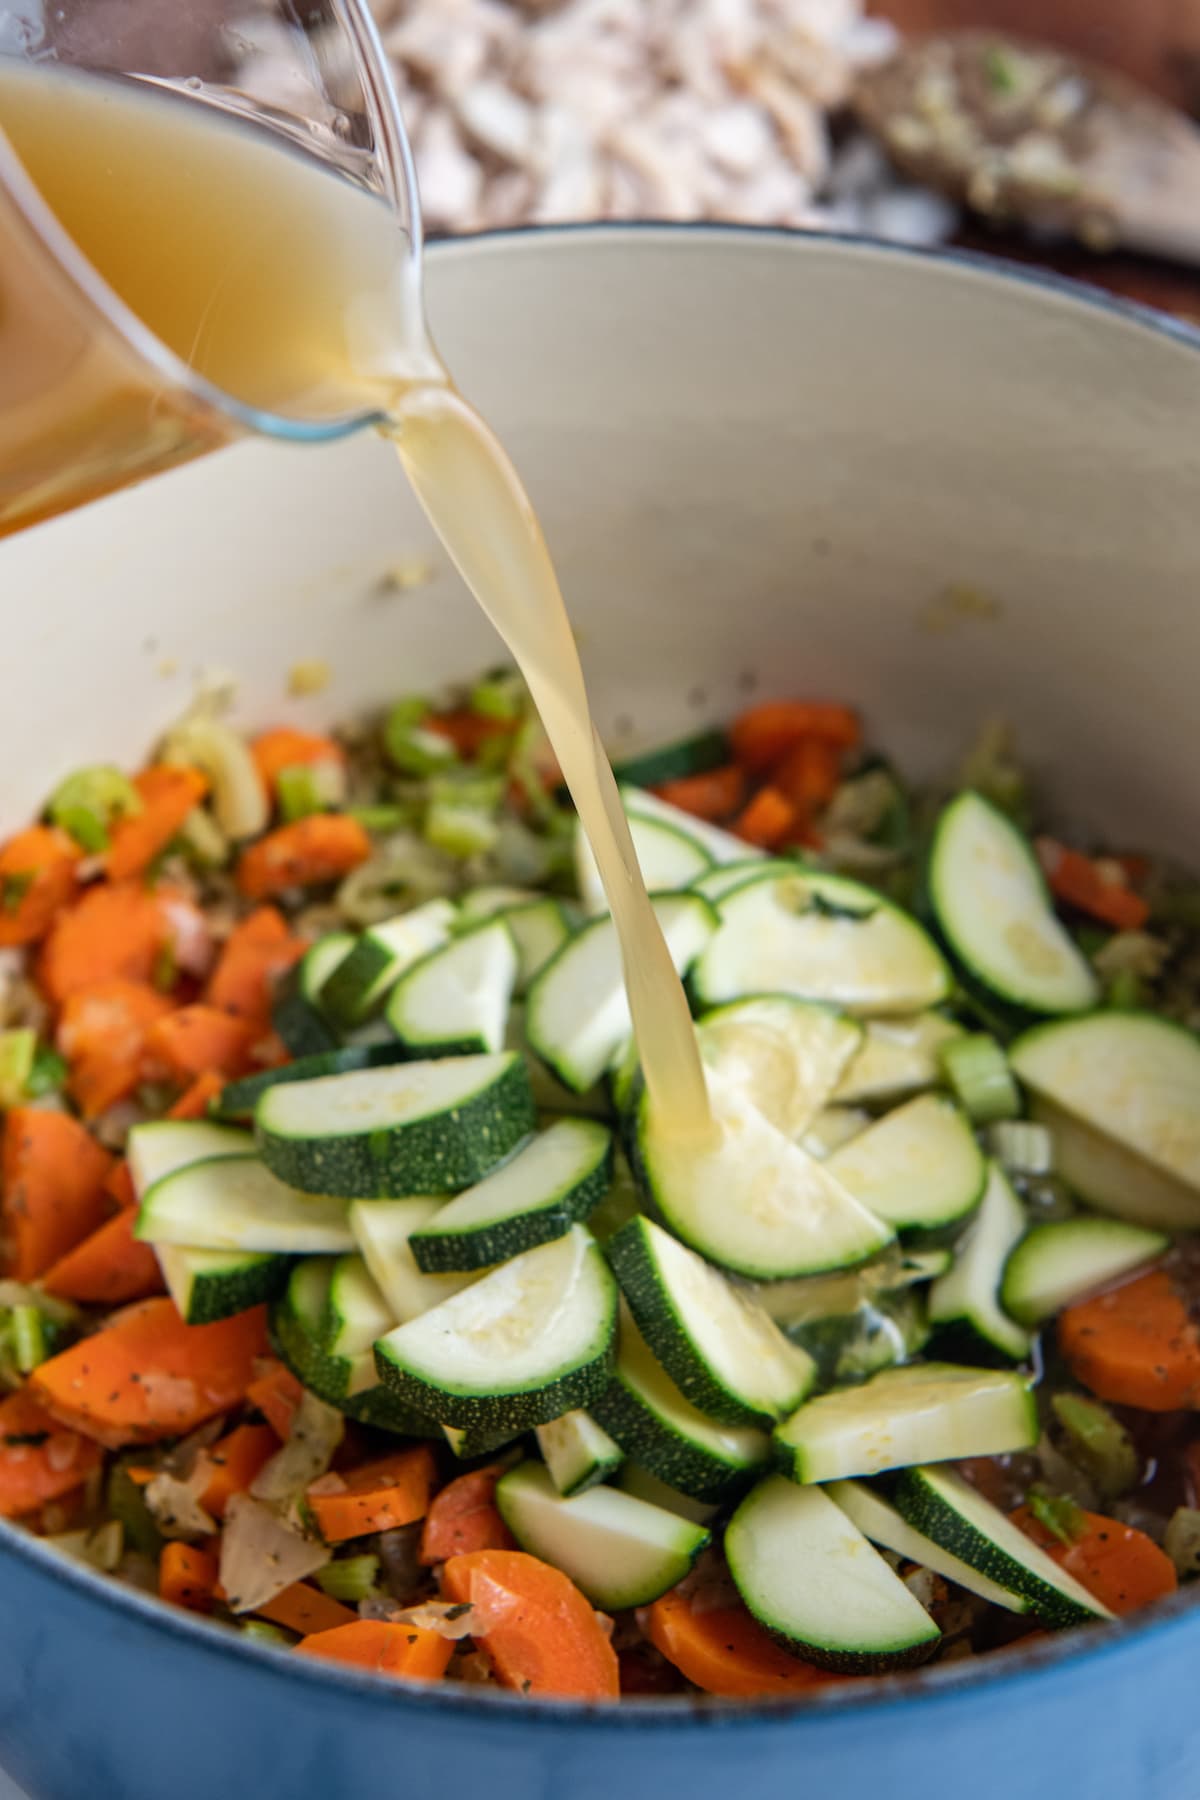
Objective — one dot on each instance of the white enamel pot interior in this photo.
(761, 461)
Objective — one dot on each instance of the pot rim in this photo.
(874, 1696)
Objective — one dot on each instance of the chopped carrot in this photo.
(185, 1043)
(256, 953)
(468, 731)
(304, 1609)
(167, 795)
(122, 930)
(538, 1629)
(286, 748)
(37, 879)
(39, 1460)
(234, 1461)
(187, 1576)
(769, 820)
(146, 1375)
(768, 731)
(378, 1496)
(276, 1394)
(465, 1517)
(1099, 889)
(54, 1175)
(408, 1650)
(118, 1185)
(103, 1033)
(109, 1268)
(714, 795)
(1135, 1345)
(1117, 1564)
(724, 1650)
(194, 1101)
(321, 848)
(808, 774)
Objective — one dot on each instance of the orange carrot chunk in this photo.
(194, 1101)
(304, 1609)
(118, 1185)
(54, 1192)
(769, 820)
(714, 795)
(1135, 1345)
(109, 1268)
(1097, 888)
(187, 1576)
(540, 1632)
(1117, 1564)
(276, 1394)
(167, 795)
(311, 851)
(37, 880)
(147, 1375)
(195, 1038)
(256, 953)
(287, 748)
(378, 1496)
(465, 1517)
(123, 931)
(808, 774)
(39, 1460)
(407, 1650)
(723, 1650)
(234, 1461)
(467, 731)
(103, 1033)
(768, 731)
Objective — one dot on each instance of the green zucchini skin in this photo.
(237, 1100)
(204, 1295)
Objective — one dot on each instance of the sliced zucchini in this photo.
(486, 902)
(851, 1325)
(668, 857)
(382, 1230)
(753, 1201)
(966, 1299)
(1134, 1079)
(919, 1168)
(785, 1055)
(821, 937)
(454, 1002)
(833, 1128)
(321, 1328)
(694, 755)
(634, 1479)
(360, 982)
(1058, 1263)
(722, 1350)
(619, 1551)
(577, 1014)
(722, 880)
(207, 1285)
(944, 1507)
(649, 1417)
(550, 1184)
(539, 930)
(994, 910)
(235, 1203)
(532, 1340)
(478, 1441)
(577, 1452)
(926, 1412)
(719, 846)
(879, 1521)
(161, 1146)
(298, 1014)
(809, 1575)
(417, 1128)
(237, 1100)
(549, 1094)
(898, 1058)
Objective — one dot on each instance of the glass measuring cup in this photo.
(90, 398)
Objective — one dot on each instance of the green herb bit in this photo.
(29, 1341)
(125, 1502)
(14, 888)
(17, 1052)
(1061, 1516)
(382, 817)
(48, 1074)
(350, 1580)
(502, 695)
(299, 792)
(1000, 70)
(1098, 1443)
(86, 804)
(261, 1632)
